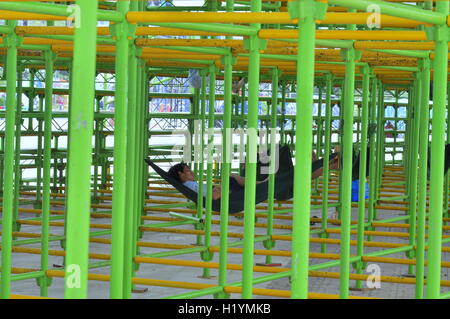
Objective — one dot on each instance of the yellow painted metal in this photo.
(347, 35)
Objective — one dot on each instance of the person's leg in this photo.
(239, 179)
(235, 186)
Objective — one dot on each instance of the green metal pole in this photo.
(254, 46)
(346, 208)
(303, 149)
(119, 194)
(207, 256)
(227, 142)
(17, 149)
(49, 70)
(362, 171)
(318, 133)
(80, 152)
(423, 172)
(373, 157)
(269, 244)
(412, 171)
(283, 112)
(200, 154)
(326, 164)
(38, 161)
(437, 154)
(380, 142)
(131, 203)
(12, 41)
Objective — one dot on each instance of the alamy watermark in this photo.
(73, 276)
(374, 20)
(374, 279)
(74, 18)
(261, 143)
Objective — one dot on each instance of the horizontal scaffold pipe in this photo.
(199, 29)
(215, 27)
(347, 35)
(359, 45)
(43, 11)
(261, 17)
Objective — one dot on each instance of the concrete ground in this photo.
(99, 290)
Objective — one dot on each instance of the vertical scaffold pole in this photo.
(131, 150)
(373, 158)
(120, 155)
(227, 142)
(283, 113)
(303, 149)
(272, 133)
(17, 149)
(254, 46)
(380, 142)
(347, 154)
(11, 41)
(207, 255)
(49, 69)
(423, 172)
(437, 154)
(413, 162)
(318, 132)
(80, 152)
(362, 170)
(326, 164)
(200, 155)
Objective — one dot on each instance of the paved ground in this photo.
(189, 274)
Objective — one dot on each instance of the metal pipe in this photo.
(422, 178)
(120, 156)
(437, 154)
(80, 152)
(226, 167)
(250, 162)
(12, 42)
(303, 150)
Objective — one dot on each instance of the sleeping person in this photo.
(182, 173)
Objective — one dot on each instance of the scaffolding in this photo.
(142, 78)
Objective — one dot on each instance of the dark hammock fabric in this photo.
(236, 199)
(285, 161)
(284, 184)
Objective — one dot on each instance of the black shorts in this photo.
(234, 185)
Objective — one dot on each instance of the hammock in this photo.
(284, 184)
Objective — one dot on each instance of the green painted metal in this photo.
(347, 160)
(422, 178)
(326, 166)
(303, 149)
(12, 42)
(362, 170)
(271, 145)
(437, 154)
(209, 167)
(396, 10)
(226, 168)
(250, 162)
(120, 156)
(49, 72)
(79, 156)
(413, 162)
